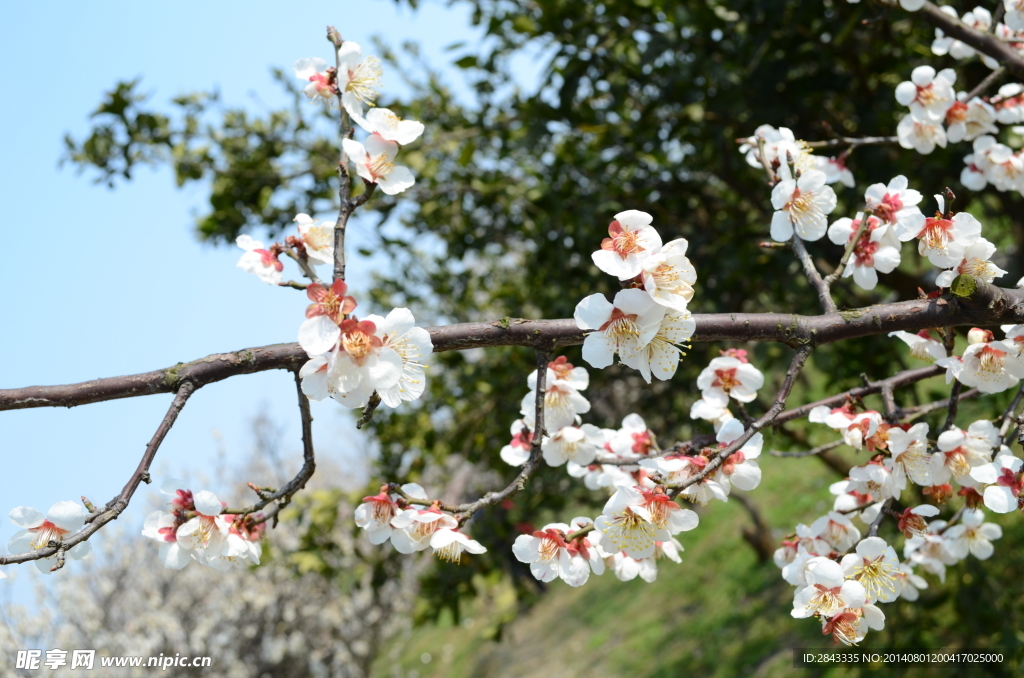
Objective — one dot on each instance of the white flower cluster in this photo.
(194, 528)
(357, 80)
(990, 366)
(414, 527)
(647, 324)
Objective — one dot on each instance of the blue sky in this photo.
(102, 283)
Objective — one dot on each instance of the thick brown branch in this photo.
(988, 306)
(118, 504)
(983, 42)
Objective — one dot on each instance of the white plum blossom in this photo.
(1014, 16)
(1003, 477)
(873, 478)
(259, 261)
(896, 206)
(958, 454)
(550, 555)
(802, 205)
(385, 124)
(661, 357)
(729, 377)
(518, 451)
(740, 469)
(374, 161)
(449, 543)
(569, 443)
(943, 240)
(929, 551)
(358, 80)
(912, 521)
(976, 262)
(317, 238)
(991, 367)
(718, 415)
(625, 327)
(874, 566)
(909, 583)
(827, 591)
(319, 333)
(968, 121)
(361, 363)
(411, 343)
(376, 512)
(37, 530)
(668, 275)
(633, 440)
(850, 625)
(631, 241)
(414, 528)
(929, 95)
(562, 403)
(910, 456)
(780, 147)
(1014, 338)
(835, 170)
(921, 135)
(320, 88)
(634, 518)
(837, 530)
(206, 532)
(972, 535)
(876, 251)
(980, 19)
(922, 346)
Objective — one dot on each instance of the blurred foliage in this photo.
(638, 107)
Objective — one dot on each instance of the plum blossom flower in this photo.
(376, 512)
(37, 530)
(827, 591)
(317, 238)
(980, 19)
(780, 147)
(205, 532)
(943, 240)
(909, 583)
(632, 240)
(873, 478)
(922, 346)
(319, 333)
(414, 528)
(569, 443)
(668, 276)
(1014, 338)
(850, 625)
(874, 565)
(625, 327)
(411, 343)
(912, 521)
(991, 367)
(550, 555)
(374, 161)
(518, 451)
(358, 79)
(1014, 16)
(921, 135)
(835, 170)
(972, 535)
(958, 454)
(449, 543)
(876, 250)
(634, 519)
(929, 95)
(837, 530)
(361, 363)
(968, 121)
(729, 377)
(321, 87)
(929, 551)
(801, 206)
(562, 403)
(1003, 478)
(716, 414)
(896, 205)
(976, 262)
(661, 357)
(259, 261)
(385, 124)
(628, 569)
(910, 456)
(741, 468)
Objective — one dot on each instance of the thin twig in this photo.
(371, 405)
(1008, 418)
(873, 530)
(116, 506)
(954, 402)
(914, 411)
(987, 82)
(822, 287)
(853, 142)
(344, 181)
(850, 247)
(307, 270)
(294, 285)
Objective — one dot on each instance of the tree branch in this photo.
(988, 306)
(116, 506)
(822, 287)
(983, 42)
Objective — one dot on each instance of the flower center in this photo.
(380, 166)
(956, 113)
(318, 237)
(548, 549)
(936, 234)
(621, 327)
(451, 553)
(46, 533)
(629, 531)
(876, 576)
(622, 242)
(990, 360)
(726, 379)
(801, 206)
(364, 80)
(926, 95)
(825, 601)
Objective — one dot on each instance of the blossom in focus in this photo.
(922, 346)
(625, 327)
(1003, 477)
(375, 162)
(205, 533)
(801, 206)
(716, 414)
(909, 583)
(633, 520)
(562, 403)
(361, 363)
(550, 555)
(411, 343)
(972, 535)
(1014, 338)
(827, 591)
(661, 357)
(958, 453)
(991, 367)
(569, 443)
(968, 121)
(668, 276)
(317, 238)
(876, 251)
(414, 528)
(259, 261)
(896, 206)
(319, 333)
(837, 530)
(780, 147)
(741, 468)
(37, 530)
(728, 377)
(943, 240)
(928, 94)
(631, 241)
(358, 80)
(320, 88)
(910, 456)
(912, 521)
(874, 566)
(850, 625)
(385, 124)
(449, 543)
(976, 262)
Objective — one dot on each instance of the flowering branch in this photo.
(116, 506)
(983, 42)
(847, 253)
(988, 305)
(853, 142)
(344, 183)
